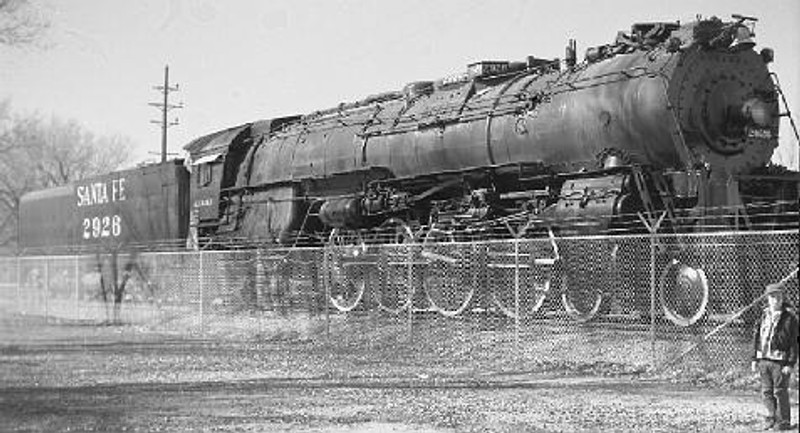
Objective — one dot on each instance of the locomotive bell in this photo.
(742, 39)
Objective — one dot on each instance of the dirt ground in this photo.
(88, 378)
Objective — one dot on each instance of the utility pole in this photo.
(165, 108)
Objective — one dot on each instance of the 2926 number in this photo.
(102, 227)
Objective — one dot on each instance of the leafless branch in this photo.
(20, 24)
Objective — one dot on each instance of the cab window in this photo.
(204, 175)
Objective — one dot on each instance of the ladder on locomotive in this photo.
(788, 113)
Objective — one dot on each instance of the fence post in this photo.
(326, 284)
(77, 287)
(46, 288)
(516, 294)
(20, 307)
(201, 286)
(653, 295)
(652, 228)
(411, 282)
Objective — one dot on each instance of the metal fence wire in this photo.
(630, 302)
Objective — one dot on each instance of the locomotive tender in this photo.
(664, 119)
(145, 205)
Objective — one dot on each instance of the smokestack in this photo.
(570, 57)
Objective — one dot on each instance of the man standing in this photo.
(775, 349)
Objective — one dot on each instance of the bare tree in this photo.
(64, 152)
(10, 186)
(20, 23)
(5, 119)
(36, 154)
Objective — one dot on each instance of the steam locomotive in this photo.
(663, 121)
(662, 118)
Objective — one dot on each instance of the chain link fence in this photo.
(625, 303)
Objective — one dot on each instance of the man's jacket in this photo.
(783, 346)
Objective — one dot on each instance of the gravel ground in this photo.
(89, 378)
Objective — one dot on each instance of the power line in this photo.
(165, 108)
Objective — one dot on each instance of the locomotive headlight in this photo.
(754, 111)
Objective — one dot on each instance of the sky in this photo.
(238, 61)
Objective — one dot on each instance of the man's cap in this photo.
(773, 288)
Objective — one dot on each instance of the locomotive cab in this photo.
(213, 163)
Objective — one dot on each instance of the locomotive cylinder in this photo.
(341, 213)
